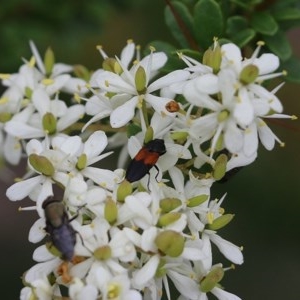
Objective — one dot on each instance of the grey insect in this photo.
(62, 234)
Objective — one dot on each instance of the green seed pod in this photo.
(149, 135)
(179, 135)
(221, 222)
(124, 189)
(213, 58)
(249, 74)
(211, 279)
(223, 115)
(102, 253)
(170, 243)
(220, 167)
(81, 162)
(112, 65)
(49, 123)
(140, 80)
(110, 211)
(168, 204)
(168, 219)
(41, 164)
(82, 72)
(196, 201)
(49, 61)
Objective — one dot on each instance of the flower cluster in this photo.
(135, 235)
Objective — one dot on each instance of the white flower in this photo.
(233, 114)
(132, 86)
(30, 124)
(80, 157)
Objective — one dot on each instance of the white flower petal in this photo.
(12, 149)
(243, 110)
(41, 101)
(231, 56)
(37, 232)
(233, 138)
(229, 250)
(267, 63)
(104, 178)
(250, 140)
(42, 254)
(207, 84)
(21, 189)
(95, 144)
(146, 273)
(223, 295)
(170, 78)
(73, 114)
(185, 285)
(124, 113)
(41, 270)
(265, 134)
(127, 54)
(22, 130)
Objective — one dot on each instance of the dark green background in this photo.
(264, 196)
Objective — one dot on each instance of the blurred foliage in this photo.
(68, 23)
(242, 22)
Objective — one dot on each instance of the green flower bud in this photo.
(168, 204)
(49, 123)
(124, 189)
(213, 58)
(28, 92)
(196, 201)
(110, 211)
(223, 115)
(170, 243)
(249, 74)
(179, 135)
(112, 65)
(140, 80)
(5, 117)
(220, 167)
(41, 164)
(211, 279)
(221, 222)
(81, 162)
(82, 72)
(149, 135)
(168, 219)
(102, 253)
(161, 270)
(49, 61)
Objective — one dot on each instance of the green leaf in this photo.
(208, 22)
(292, 66)
(244, 37)
(279, 45)
(263, 22)
(180, 22)
(287, 14)
(235, 24)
